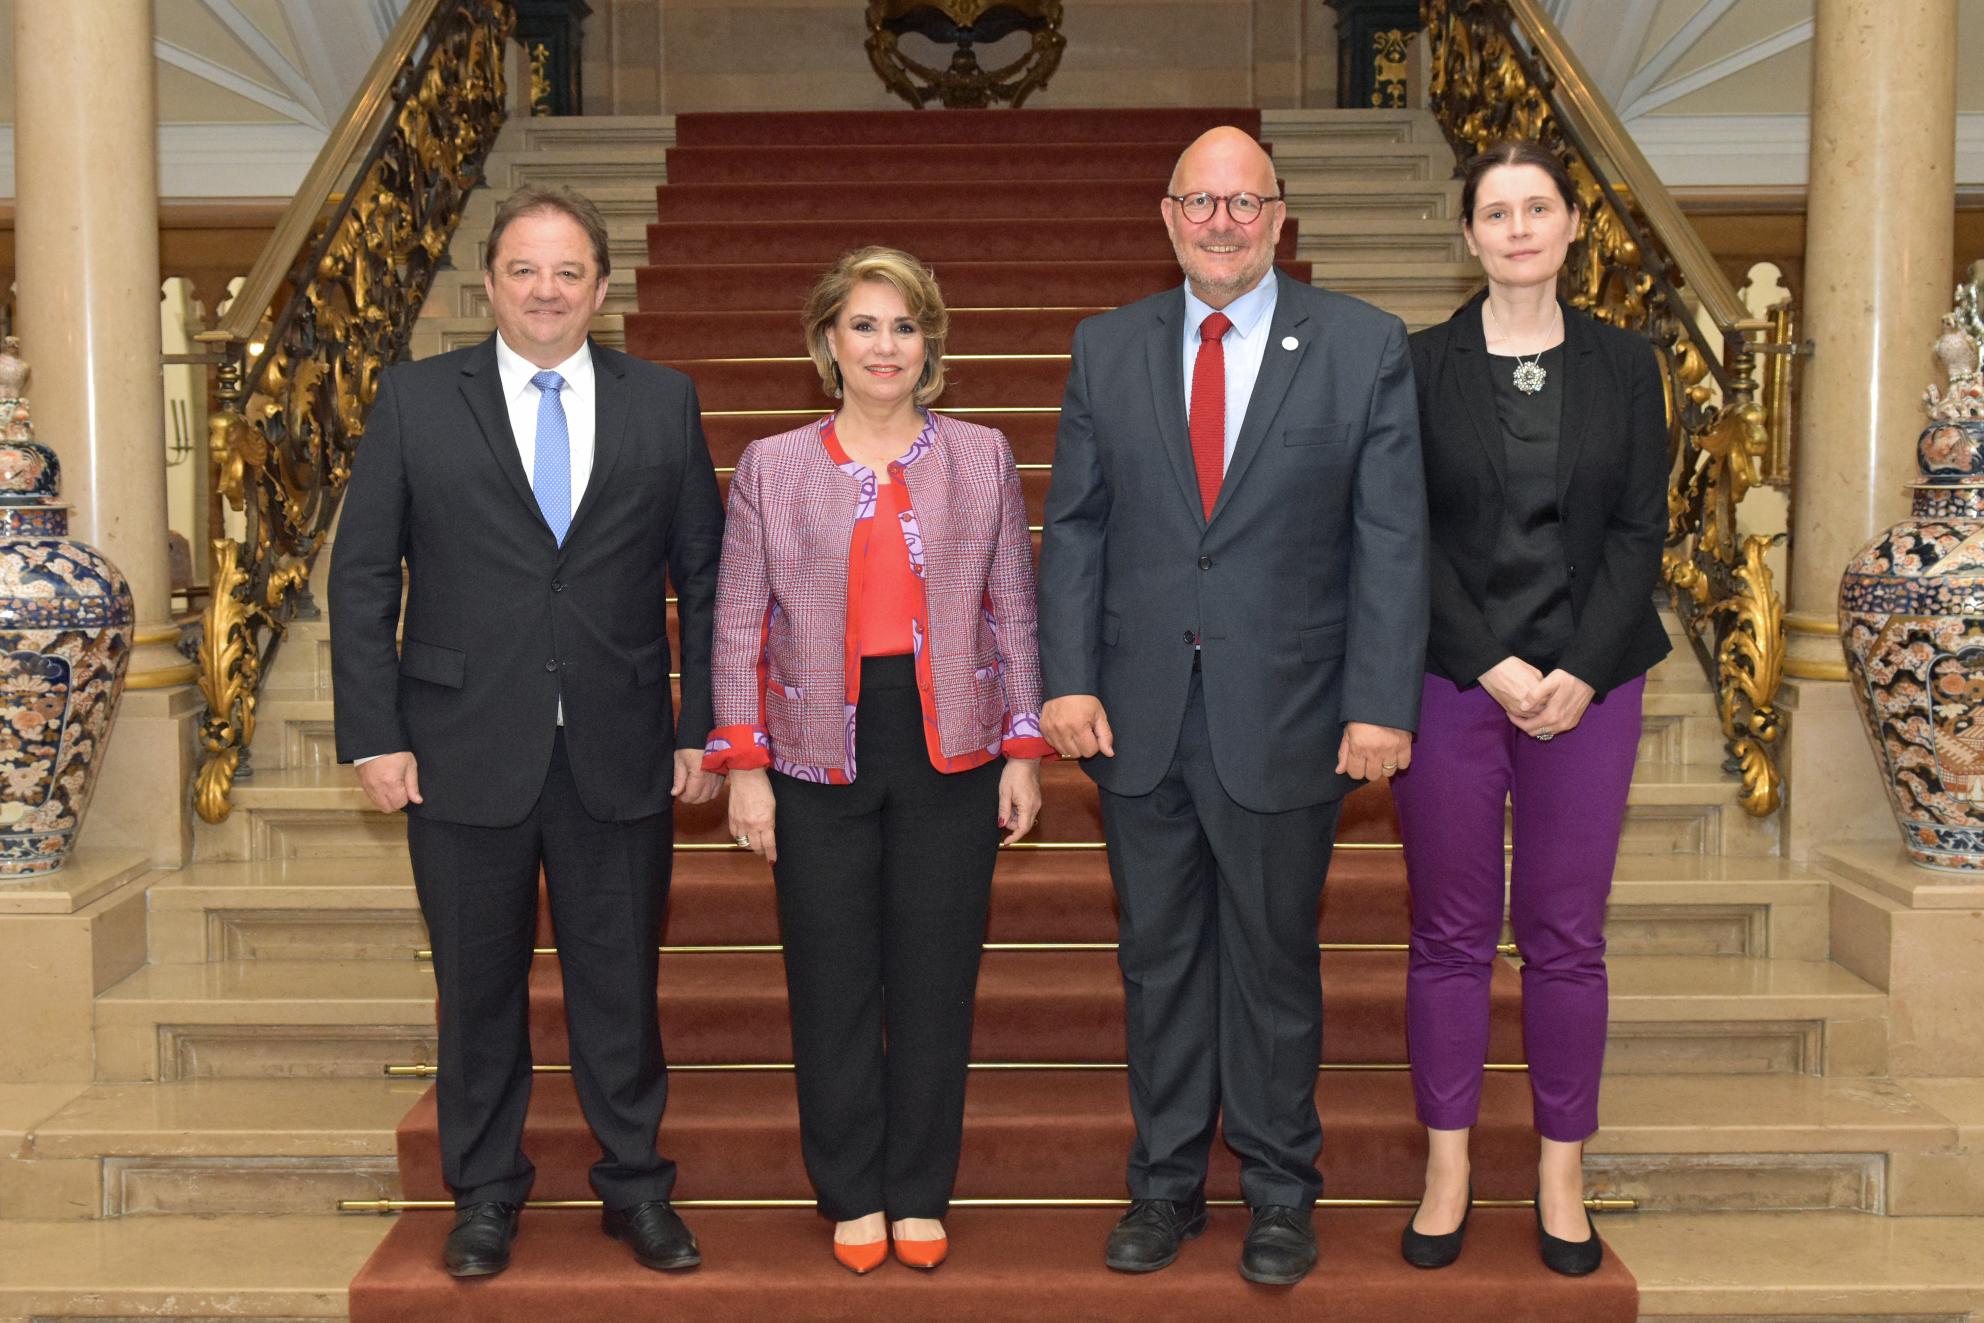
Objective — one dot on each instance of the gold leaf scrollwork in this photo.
(1489, 78)
(291, 419)
(964, 84)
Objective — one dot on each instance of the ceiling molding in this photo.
(239, 84)
(1673, 50)
(1727, 66)
(1761, 151)
(216, 160)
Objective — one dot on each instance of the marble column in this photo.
(86, 233)
(1882, 209)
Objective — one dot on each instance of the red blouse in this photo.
(887, 615)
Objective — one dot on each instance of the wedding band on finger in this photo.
(744, 841)
(1546, 735)
(1390, 767)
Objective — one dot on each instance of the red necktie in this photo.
(1208, 414)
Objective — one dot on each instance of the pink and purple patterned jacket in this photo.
(784, 668)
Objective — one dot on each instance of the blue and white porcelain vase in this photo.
(66, 624)
(1911, 619)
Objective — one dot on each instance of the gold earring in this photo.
(840, 385)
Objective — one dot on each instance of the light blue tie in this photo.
(551, 473)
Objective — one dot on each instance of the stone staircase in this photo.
(240, 1087)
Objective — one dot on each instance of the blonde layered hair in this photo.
(911, 279)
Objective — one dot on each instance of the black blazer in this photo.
(1611, 493)
(1308, 584)
(501, 622)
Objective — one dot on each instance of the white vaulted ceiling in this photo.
(247, 89)
(1719, 92)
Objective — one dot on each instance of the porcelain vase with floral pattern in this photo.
(1911, 616)
(65, 638)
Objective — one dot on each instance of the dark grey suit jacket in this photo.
(501, 621)
(1308, 585)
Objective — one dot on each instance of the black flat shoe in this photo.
(1572, 1258)
(1149, 1236)
(1424, 1251)
(1280, 1247)
(479, 1245)
(656, 1235)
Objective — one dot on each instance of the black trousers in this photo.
(1222, 980)
(608, 884)
(883, 887)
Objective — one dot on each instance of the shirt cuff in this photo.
(737, 749)
(1028, 746)
(360, 762)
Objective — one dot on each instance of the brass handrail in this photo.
(328, 305)
(1500, 69)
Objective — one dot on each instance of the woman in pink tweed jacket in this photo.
(877, 696)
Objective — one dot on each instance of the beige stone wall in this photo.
(645, 57)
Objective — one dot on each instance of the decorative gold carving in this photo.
(292, 414)
(540, 80)
(965, 84)
(1499, 69)
(1388, 68)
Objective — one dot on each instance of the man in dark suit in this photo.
(537, 487)
(1233, 614)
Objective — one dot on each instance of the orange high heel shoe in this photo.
(862, 1259)
(925, 1254)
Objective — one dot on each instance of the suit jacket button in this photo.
(1191, 636)
(551, 665)
(557, 585)
(1205, 562)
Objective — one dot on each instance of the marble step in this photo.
(365, 909)
(289, 812)
(1677, 1144)
(1670, 1015)
(1789, 1267)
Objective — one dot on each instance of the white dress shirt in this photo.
(1245, 344)
(578, 397)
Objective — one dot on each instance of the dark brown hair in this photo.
(533, 199)
(1513, 151)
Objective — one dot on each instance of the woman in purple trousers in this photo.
(1545, 441)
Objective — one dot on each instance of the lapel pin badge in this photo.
(1288, 342)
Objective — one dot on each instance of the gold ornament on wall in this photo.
(965, 84)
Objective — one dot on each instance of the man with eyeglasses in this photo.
(1233, 617)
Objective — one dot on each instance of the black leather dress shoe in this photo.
(1424, 1251)
(480, 1243)
(656, 1235)
(1148, 1236)
(1280, 1247)
(1573, 1258)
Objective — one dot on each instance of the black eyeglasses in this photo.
(1244, 208)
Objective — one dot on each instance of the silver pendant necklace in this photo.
(1529, 374)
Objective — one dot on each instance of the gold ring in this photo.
(744, 841)
(1391, 767)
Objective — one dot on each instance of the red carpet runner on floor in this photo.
(1032, 220)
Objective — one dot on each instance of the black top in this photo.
(1529, 593)
(1611, 489)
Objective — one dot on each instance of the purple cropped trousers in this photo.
(1566, 799)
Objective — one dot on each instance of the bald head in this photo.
(1221, 257)
(1224, 152)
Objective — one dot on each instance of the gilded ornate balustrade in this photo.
(1500, 69)
(329, 304)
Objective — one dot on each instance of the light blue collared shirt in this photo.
(1246, 343)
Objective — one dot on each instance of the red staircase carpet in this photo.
(1032, 220)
